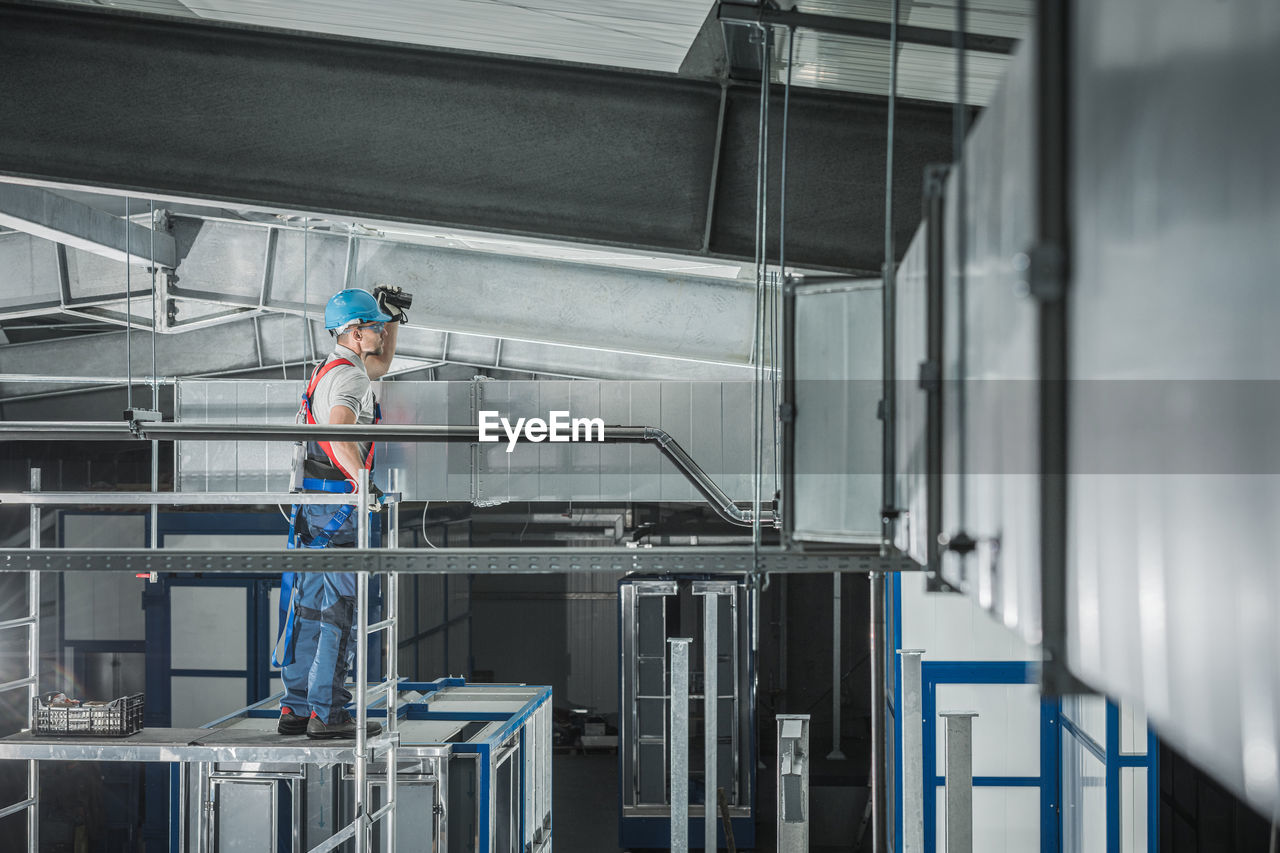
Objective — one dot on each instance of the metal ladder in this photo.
(361, 827)
(31, 681)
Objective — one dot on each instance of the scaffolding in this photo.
(178, 744)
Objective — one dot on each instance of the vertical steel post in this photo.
(679, 750)
(879, 704)
(710, 705)
(913, 769)
(835, 754)
(392, 612)
(33, 663)
(959, 790)
(362, 668)
(793, 783)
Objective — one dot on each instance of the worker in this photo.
(317, 642)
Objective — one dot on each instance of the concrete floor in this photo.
(584, 803)
(585, 808)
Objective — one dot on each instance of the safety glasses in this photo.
(373, 327)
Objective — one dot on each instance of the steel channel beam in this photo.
(638, 173)
(50, 216)
(696, 560)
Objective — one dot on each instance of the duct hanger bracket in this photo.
(138, 417)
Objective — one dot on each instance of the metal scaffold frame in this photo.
(31, 804)
(366, 749)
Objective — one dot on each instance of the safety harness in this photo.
(317, 484)
(283, 653)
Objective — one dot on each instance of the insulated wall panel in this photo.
(838, 386)
(990, 487)
(1175, 489)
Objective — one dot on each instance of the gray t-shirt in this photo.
(345, 386)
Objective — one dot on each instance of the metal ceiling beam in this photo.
(323, 124)
(739, 13)
(54, 217)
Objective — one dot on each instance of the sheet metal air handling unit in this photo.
(652, 610)
(474, 767)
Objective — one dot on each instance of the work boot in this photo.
(290, 723)
(342, 726)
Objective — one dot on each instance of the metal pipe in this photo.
(679, 728)
(878, 780)
(174, 498)
(362, 667)
(958, 131)
(836, 754)
(392, 614)
(723, 505)
(913, 769)
(710, 711)
(959, 780)
(888, 492)
(33, 662)
(128, 305)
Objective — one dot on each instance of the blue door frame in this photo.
(934, 673)
(1055, 728)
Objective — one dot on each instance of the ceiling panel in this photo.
(652, 36)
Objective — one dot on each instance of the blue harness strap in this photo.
(316, 485)
(282, 654)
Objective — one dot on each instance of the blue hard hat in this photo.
(352, 305)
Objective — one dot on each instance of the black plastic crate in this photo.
(117, 718)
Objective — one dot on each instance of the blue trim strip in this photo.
(1051, 775)
(468, 716)
(208, 673)
(997, 781)
(1132, 760)
(175, 807)
(1113, 776)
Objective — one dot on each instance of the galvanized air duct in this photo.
(163, 431)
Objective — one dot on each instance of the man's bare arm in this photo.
(378, 365)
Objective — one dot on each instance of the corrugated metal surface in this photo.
(652, 36)
(846, 63)
(828, 61)
(1010, 18)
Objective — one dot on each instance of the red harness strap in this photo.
(306, 407)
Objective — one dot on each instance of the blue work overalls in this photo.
(317, 641)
